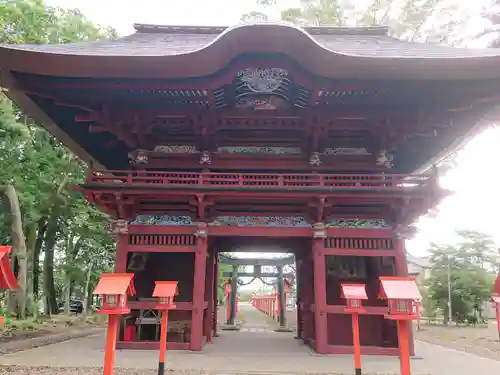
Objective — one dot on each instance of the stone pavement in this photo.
(248, 352)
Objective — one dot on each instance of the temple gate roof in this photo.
(365, 88)
(313, 47)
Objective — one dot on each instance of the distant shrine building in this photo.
(321, 141)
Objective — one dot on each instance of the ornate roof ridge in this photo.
(312, 30)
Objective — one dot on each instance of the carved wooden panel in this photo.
(162, 240)
(359, 243)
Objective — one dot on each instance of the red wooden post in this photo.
(227, 293)
(114, 288)
(209, 290)
(496, 305)
(354, 294)
(402, 271)
(404, 299)
(199, 291)
(320, 317)
(165, 291)
(121, 253)
(110, 349)
(215, 295)
(496, 301)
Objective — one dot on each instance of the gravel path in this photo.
(481, 341)
(238, 353)
(98, 371)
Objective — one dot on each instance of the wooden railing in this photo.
(144, 178)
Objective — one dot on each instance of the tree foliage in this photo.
(470, 266)
(63, 235)
(414, 20)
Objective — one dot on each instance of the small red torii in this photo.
(7, 278)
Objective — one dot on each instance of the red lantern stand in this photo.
(404, 299)
(114, 288)
(165, 291)
(7, 278)
(354, 294)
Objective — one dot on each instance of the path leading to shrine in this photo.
(254, 349)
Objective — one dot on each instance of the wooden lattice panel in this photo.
(359, 243)
(162, 240)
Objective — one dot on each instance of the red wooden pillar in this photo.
(121, 253)
(215, 294)
(307, 299)
(402, 270)
(198, 293)
(298, 297)
(320, 321)
(209, 298)
(121, 267)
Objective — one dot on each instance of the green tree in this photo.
(41, 172)
(415, 20)
(465, 267)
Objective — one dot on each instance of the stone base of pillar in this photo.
(229, 327)
(283, 329)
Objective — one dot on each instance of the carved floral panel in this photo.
(261, 221)
(259, 150)
(176, 149)
(356, 223)
(346, 151)
(233, 221)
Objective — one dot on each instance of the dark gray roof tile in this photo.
(169, 40)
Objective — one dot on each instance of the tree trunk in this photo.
(48, 264)
(31, 232)
(72, 250)
(19, 256)
(42, 229)
(86, 290)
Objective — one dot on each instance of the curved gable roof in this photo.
(174, 52)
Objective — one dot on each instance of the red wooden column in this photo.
(209, 298)
(121, 258)
(121, 248)
(298, 302)
(200, 261)
(307, 299)
(215, 294)
(320, 317)
(402, 270)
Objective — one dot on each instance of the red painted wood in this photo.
(402, 270)
(368, 310)
(226, 231)
(161, 249)
(120, 178)
(320, 321)
(198, 294)
(215, 301)
(359, 253)
(121, 253)
(234, 161)
(209, 297)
